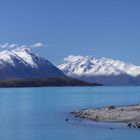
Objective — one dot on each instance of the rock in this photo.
(111, 107)
(96, 118)
(129, 125)
(138, 124)
(66, 119)
(83, 117)
(73, 112)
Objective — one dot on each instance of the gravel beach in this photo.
(125, 114)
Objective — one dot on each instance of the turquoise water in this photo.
(40, 113)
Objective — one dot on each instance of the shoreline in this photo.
(46, 82)
(130, 115)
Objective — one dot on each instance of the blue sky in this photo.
(101, 28)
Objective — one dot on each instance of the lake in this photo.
(40, 113)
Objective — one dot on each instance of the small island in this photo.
(130, 115)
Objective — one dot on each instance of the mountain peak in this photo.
(20, 63)
(21, 49)
(18, 53)
(18, 49)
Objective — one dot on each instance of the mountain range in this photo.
(21, 68)
(21, 64)
(104, 70)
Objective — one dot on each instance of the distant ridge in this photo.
(104, 70)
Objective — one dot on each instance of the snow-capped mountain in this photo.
(103, 70)
(20, 63)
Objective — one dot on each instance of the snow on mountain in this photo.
(20, 63)
(99, 70)
(21, 54)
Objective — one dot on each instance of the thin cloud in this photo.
(38, 45)
(3, 46)
(13, 46)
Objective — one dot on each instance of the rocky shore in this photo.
(130, 115)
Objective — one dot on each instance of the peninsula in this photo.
(124, 114)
